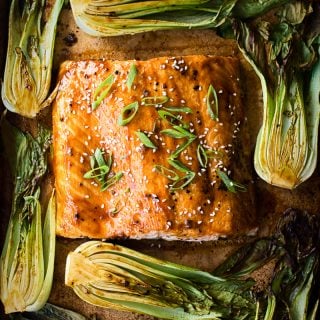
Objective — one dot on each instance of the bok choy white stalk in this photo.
(27, 76)
(27, 259)
(284, 55)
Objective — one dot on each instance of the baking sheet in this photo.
(73, 44)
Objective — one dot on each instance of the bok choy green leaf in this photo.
(285, 57)
(27, 259)
(27, 76)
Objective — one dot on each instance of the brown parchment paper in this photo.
(73, 44)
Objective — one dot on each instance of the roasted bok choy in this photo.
(285, 56)
(27, 259)
(112, 276)
(49, 312)
(118, 17)
(116, 277)
(27, 76)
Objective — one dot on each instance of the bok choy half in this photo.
(118, 17)
(285, 56)
(113, 276)
(27, 76)
(27, 259)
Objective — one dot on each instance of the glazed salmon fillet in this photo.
(152, 149)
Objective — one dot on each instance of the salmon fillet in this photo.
(152, 149)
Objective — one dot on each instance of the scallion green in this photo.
(212, 103)
(102, 91)
(230, 184)
(166, 172)
(132, 75)
(154, 101)
(128, 113)
(145, 140)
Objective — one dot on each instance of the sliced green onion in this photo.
(100, 168)
(231, 185)
(102, 91)
(153, 101)
(170, 174)
(183, 182)
(132, 75)
(202, 156)
(178, 165)
(213, 153)
(171, 118)
(145, 140)
(128, 113)
(179, 109)
(99, 173)
(212, 103)
(181, 148)
(99, 158)
(178, 133)
(187, 133)
(111, 181)
(166, 115)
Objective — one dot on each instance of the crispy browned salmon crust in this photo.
(159, 192)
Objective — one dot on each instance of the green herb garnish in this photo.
(145, 140)
(102, 91)
(181, 148)
(183, 182)
(132, 75)
(178, 133)
(153, 101)
(128, 113)
(212, 103)
(111, 181)
(172, 118)
(168, 173)
(166, 115)
(100, 169)
(202, 156)
(178, 165)
(179, 109)
(231, 185)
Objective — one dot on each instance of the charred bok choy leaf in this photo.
(28, 67)
(27, 259)
(285, 56)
